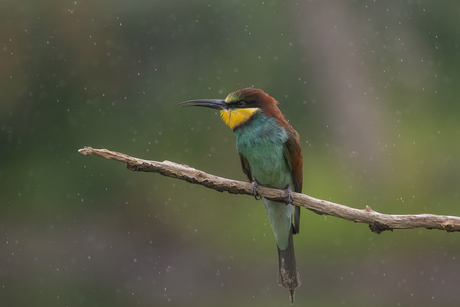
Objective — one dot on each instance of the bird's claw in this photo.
(255, 190)
(288, 197)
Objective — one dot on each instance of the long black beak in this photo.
(218, 104)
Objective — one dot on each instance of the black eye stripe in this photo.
(245, 104)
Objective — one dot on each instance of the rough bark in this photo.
(378, 222)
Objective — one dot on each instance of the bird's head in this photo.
(239, 107)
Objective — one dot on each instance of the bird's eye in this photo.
(241, 103)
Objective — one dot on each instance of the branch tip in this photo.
(85, 151)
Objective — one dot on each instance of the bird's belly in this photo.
(267, 164)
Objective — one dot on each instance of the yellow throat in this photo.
(234, 117)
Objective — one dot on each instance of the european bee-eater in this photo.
(271, 156)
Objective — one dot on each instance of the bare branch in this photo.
(378, 222)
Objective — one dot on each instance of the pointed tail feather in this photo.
(288, 276)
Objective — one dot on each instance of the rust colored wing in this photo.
(293, 156)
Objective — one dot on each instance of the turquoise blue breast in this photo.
(261, 143)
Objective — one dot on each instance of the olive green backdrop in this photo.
(372, 88)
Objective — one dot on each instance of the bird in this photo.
(270, 154)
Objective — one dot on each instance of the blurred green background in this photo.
(371, 87)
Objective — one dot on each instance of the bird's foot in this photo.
(255, 190)
(288, 197)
